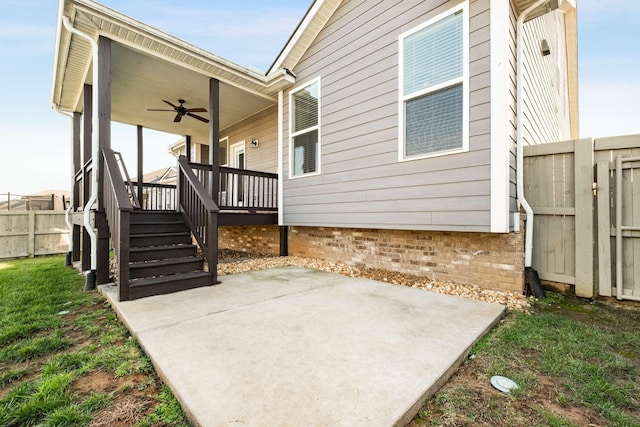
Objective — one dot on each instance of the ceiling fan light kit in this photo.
(182, 111)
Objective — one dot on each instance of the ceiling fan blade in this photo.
(167, 102)
(197, 110)
(202, 119)
(178, 118)
(157, 109)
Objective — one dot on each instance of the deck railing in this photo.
(200, 212)
(242, 189)
(117, 206)
(157, 197)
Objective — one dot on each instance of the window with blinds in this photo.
(304, 128)
(433, 85)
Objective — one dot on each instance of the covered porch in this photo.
(111, 68)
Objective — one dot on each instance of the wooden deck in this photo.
(154, 237)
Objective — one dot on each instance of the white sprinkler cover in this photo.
(503, 384)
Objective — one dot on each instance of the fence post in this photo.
(31, 242)
(584, 243)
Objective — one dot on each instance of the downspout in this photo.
(532, 281)
(90, 276)
(528, 236)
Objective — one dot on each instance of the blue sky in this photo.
(35, 140)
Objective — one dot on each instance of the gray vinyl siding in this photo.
(546, 100)
(262, 126)
(362, 184)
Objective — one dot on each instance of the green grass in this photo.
(572, 353)
(44, 351)
(569, 355)
(168, 411)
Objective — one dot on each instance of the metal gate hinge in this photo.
(594, 186)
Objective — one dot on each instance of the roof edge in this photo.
(314, 20)
(286, 47)
(254, 81)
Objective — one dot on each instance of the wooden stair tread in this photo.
(165, 261)
(174, 234)
(156, 280)
(172, 221)
(161, 247)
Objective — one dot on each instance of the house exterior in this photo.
(393, 127)
(374, 199)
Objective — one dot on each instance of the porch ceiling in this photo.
(140, 81)
(148, 66)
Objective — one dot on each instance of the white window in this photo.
(433, 110)
(304, 129)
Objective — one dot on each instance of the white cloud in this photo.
(10, 30)
(250, 37)
(609, 109)
(598, 10)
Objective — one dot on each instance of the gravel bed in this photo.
(512, 300)
(233, 262)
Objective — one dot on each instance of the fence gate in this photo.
(585, 195)
(619, 232)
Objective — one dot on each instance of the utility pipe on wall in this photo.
(95, 153)
(528, 236)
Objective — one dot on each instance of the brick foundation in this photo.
(489, 260)
(264, 239)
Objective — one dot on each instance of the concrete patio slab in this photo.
(293, 346)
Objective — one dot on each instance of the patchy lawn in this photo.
(577, 363)
(65, 360)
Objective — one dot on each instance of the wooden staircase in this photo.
(162, 257)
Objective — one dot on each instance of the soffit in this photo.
(148, 66)
(522, 5)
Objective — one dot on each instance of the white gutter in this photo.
(528, 236)
(95, 145)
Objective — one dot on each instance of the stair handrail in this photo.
(118, 207)
(128, 183)
(200, 213)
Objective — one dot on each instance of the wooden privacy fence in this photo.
(31, 233)
(586, 207)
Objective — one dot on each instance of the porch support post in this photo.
(76, 153)
(284, 240)
(187, 144)
(87, 124)
(214, 178)
(104, 111)
(214, 138)
(75, 185)
(140, 164)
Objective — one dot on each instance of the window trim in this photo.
(464, 80)
(309, 129)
